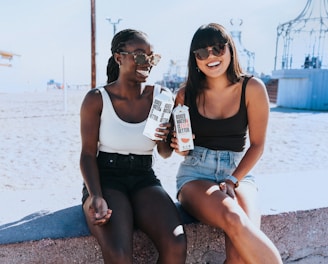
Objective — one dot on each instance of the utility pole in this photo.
(93, 44)
(114, 24)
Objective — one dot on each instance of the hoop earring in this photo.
(197, 69)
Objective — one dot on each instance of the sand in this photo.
(40, 148)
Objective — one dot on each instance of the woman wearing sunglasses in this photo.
(121, 191)
(214, 182)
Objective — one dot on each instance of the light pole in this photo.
(93, 43)
(114, 24)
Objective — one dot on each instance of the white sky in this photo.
(46, 33)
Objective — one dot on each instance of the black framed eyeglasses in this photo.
(142, 58)
(217, 50)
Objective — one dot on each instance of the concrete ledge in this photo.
(300, 236)
(69, 222)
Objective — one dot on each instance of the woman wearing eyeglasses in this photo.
(214, 182)
(121, 191)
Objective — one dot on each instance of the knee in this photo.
(178, 243)
(115, 254)
(234, 219)
(176, 247)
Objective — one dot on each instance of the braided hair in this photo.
(118, 43)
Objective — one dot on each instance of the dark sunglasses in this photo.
(142, 58)
(217, 50)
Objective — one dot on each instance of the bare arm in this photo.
(258, 109)
(90, 120)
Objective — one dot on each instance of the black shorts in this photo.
(125, 173)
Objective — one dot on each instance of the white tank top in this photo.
(118, 136)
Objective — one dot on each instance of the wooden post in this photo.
(93, 44)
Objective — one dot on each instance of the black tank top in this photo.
(222, 134)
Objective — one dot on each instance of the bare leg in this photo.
(219, 210)
(115, 237)
(157, 216)
(247, 197)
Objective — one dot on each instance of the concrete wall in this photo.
(301, 237)
(302, 88)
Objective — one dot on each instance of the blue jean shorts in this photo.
(213, 165)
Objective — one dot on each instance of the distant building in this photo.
(175, 76)
(10, 71)
(246, 57)
(6, 58)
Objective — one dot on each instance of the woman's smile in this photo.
(213, 64)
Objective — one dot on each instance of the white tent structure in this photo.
(302, 42)
(303, 75)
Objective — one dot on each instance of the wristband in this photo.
(233, 179)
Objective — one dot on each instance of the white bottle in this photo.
(182, 126)
(160, 112)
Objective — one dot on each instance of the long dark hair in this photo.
(206, 36)
(118, 43)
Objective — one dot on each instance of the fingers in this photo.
(168, 125)
(104, 214)
(175, 145)
(227, 189)
(223, 187)
(230, 191)
(98, 211)
(103, 217)
(231, 194)
(163, 131)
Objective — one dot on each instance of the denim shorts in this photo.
(213, 165)
(125, 173)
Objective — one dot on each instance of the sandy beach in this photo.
(40, 148)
